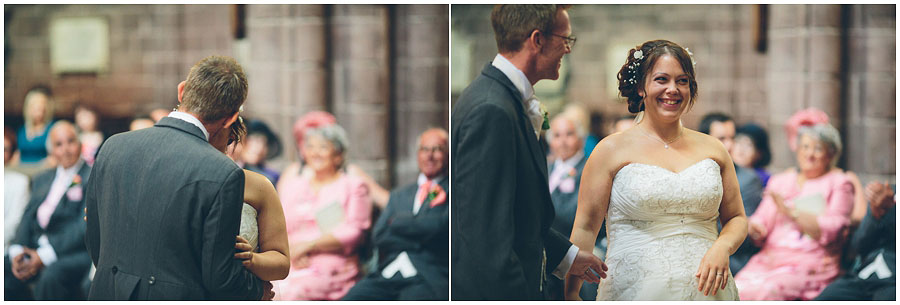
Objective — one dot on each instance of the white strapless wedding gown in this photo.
(249, 227)
(660, 225)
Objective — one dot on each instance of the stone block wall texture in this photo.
(839, 58)
(381, 69)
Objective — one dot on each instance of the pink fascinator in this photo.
(311, 120)
(806, 117)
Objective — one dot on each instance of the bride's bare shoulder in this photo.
(256, 188)
(611, 153)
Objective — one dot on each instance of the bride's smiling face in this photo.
(667, 89)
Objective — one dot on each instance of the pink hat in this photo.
(806, 117)
(311, 120)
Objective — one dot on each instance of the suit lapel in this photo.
(537, 154)
(64, 200)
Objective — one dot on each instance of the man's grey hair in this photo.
(334, 134)
(827, 134)
(580, 129)
(58, 125)
(441, 131)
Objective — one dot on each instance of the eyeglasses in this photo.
(570, 40)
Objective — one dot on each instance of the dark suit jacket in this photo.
(751, 195)
(502, 210)
(425, 236)
(65, 231)
(163, 211)
(565, 204)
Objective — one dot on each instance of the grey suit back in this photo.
(163, 212)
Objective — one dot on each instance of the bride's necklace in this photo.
(665, 143)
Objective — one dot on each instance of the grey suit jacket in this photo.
(163, 211)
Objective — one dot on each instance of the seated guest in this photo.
(140, 123)
(874, 272)
(15, 189)
(88, 123)
(800, 223)
(328, 213)
(566, 138)
(751, 150)
(412, 234)
(48, 250)
(721, 126)
(623, 122)
(261, 144)
(32, 137)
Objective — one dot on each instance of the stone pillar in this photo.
(287, 68)
(360, 78)
(804, 69)
(870, 141)
(420, 64)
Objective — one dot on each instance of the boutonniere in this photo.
(436, 195)
(75, 190)
(546, 124)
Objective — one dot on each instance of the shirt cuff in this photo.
(14, 250)
(563, 268)
(45, 251)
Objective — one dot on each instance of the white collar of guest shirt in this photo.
(570, 162)
(516, 76)
(187, 117)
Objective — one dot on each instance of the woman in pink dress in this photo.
(328, 213)
(800, 224)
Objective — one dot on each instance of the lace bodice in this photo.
(249, 227)
(660, 225)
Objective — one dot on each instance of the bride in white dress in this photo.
(262, 241)
(661, 188)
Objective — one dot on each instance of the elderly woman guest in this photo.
(799, 223)
(328, 213)
(751, 150)
(38, 112)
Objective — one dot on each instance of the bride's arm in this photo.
(593, 202)
(272, 262)
(734, 227)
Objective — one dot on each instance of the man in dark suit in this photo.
(412, 234)
(566, 140)
(48, 248)
(164, 206)
(721, 126)
(502, 244)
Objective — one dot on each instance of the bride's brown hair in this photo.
(631, 75)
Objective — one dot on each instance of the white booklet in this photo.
(329, 217)
(811, 204)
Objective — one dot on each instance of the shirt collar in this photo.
(69, 172)
(516, 76)
(187, 117)
(572, 161)
(422, 179)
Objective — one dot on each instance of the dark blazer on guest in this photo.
(163, 211)
(65, 230)
(502, 245)
(424, 236)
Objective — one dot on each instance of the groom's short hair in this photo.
(215, 88)
(513, 23)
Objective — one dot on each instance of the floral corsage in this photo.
(75, 191)
(436, 195)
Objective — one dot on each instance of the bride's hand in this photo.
(246, 254)
(713, 272)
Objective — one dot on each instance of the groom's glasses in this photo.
(570, 40)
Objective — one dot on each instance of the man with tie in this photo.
(48, 249)
(502, 245)
(412, 234)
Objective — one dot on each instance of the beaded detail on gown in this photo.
(660, 225)
(249, 227)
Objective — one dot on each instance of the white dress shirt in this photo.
(187, 117)
(521, 82)
(15, 198)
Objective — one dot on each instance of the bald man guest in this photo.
(47, 259)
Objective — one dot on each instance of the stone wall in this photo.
(381, 69)
(839, 58)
